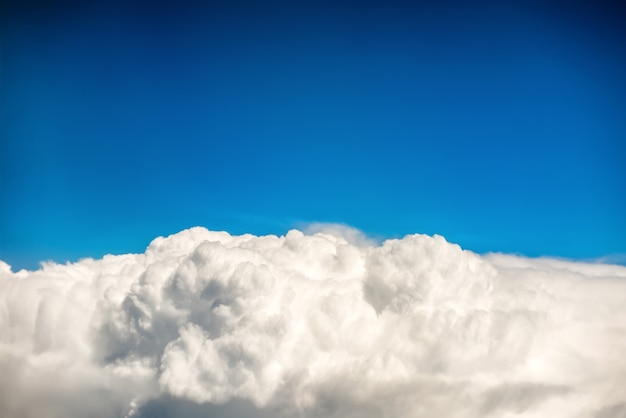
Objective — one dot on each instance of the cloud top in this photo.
(324, 324)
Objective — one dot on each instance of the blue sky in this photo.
(499, 125)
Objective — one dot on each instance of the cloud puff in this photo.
(322, 325)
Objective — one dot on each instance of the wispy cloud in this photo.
(326, 323)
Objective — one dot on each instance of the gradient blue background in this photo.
(499, 125)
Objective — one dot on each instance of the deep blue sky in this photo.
(499, 125)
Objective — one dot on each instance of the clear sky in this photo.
(499, 125)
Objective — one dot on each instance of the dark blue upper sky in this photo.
(500, 125)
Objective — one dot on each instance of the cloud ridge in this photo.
(324, 324)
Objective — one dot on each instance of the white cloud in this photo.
(327, 324)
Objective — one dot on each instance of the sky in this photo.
(498, 125)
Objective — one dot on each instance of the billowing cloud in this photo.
(322, 325)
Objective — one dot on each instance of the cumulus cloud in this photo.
(327, 324)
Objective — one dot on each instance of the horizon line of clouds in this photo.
(357, 236)
(323, 323)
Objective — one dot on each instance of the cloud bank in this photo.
(322, 325)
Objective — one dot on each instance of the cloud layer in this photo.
(323, 325)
